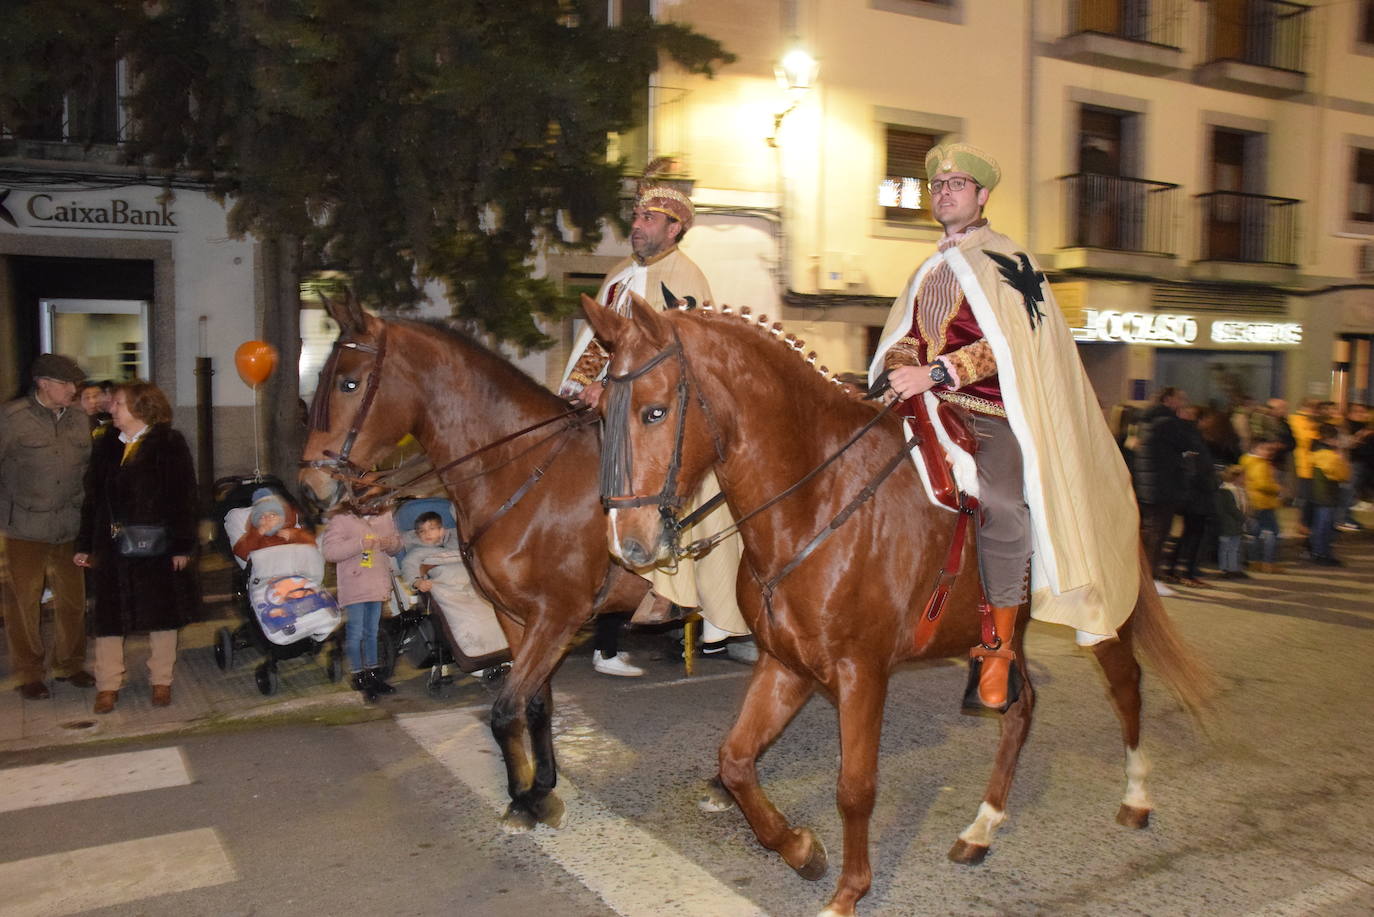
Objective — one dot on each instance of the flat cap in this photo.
(56, 366)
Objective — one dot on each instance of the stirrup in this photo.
(973, 704)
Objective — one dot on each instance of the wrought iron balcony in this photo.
(1257, 46)
(1142, 36)
(1119, 214)
(1249, 228)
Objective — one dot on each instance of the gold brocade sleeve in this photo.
(905, 352)
(973, 362)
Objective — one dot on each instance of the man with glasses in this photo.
(977, 326)
(45, 444)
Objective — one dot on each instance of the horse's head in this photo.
(352, 424)
(658, 440)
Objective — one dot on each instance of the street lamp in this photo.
(796, 73)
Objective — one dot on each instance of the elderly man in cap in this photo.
(45, 444)
(655, 269)
(977, 326)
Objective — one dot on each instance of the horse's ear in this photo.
(347, 311)
(607, 324)
(650, 321)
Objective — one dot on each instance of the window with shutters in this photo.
(1361, 207)
(903, 193)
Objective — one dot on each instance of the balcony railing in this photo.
(1119, 214)
(1156, 22)
(1249, 228)
(1265, 33)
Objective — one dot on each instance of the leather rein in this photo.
(616, 468)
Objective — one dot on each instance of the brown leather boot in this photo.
(995, 689)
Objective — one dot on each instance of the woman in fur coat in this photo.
(143, 477)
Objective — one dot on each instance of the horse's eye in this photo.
(654, 413)
(348, 386)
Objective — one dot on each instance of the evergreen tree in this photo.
(399, 140)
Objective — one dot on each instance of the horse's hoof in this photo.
(517, 819)
(715, 797)
(831, 912)
(1132, 817)
(817, 863)
(968, 854)
(550, 811)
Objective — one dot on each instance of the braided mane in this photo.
(775, 331)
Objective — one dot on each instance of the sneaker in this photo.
(714, 649)
(1363, 506)
(1326, 560)
(1347, 527)
(614, 665)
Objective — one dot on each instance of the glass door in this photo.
(108, 337)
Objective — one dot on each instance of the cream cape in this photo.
(708, 583)
(1085, 524)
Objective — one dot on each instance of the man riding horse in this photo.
(656, 268)
(978, 327)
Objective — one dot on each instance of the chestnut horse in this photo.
(694, 390)
(521, 469)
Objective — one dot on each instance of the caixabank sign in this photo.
(91, 211)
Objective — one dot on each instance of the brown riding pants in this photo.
(1004, 529)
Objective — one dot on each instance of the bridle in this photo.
(337, 463)
(616, 468)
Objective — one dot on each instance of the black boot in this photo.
(381, 687)
(363, 685)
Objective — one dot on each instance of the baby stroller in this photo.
(278, 591)
(449, 626)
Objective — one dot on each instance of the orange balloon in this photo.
(256, 361)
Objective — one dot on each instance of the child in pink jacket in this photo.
(358, 545)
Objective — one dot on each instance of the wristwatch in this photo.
(938, 374)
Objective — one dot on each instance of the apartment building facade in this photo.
(1195, 177)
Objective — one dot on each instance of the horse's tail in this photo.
(1185, 674)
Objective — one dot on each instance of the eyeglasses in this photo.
(953, 184)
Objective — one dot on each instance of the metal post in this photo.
(205, 429)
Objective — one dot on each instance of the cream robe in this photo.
(708, 583)
(1085, 524)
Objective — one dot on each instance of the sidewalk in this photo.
(205, 697)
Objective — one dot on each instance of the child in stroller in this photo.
(278, 580)
(434, 578)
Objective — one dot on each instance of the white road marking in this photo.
(79, 880)
(91, 778)
(1313, 899)
(633, 872)
(639, 685)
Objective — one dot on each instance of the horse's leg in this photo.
(861, 698)
(538, 653)
(973, 843)
(775, 695)
(1117, 658)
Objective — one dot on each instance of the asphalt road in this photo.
(1267, 815)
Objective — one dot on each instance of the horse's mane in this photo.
(790, 348)
(505, 374)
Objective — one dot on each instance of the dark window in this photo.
(1367, 22)
(903, 192)
(1362, 187)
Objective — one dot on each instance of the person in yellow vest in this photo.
(655, 268)
(1329, 471)
(1303, 424)
(977, 326)
(1263, 494)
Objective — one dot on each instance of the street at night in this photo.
(312, 803)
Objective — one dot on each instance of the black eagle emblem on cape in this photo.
(1024, 279)
(672, 302)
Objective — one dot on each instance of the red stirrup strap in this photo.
(925, 627)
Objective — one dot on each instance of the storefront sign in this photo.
(1163, 329)
(111, 213)
(1137, 327)
(1230, 332)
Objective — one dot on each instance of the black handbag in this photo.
(140, 540)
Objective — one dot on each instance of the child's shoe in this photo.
(374, 676)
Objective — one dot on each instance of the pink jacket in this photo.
(343, 544)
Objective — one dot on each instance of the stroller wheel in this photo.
(224, 648)
(386, 652)
(334, 666)
(266, 677)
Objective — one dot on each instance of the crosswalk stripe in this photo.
(633, 872)
(79, 880)
(91, 778)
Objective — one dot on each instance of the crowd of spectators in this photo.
(1215, 469)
